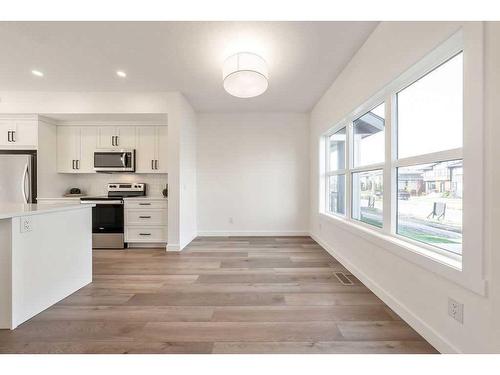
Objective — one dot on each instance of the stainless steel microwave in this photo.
(114, 160)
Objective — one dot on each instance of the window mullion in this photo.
(434, 157)
(348, 163)
(387, 186)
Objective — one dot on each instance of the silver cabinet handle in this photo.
(13, 136)
(144, 217)
(144, 234)
(113, 140)
(8, 136)
(152, 164)
(117, 140)
(78, 164)
(144, 204)
(73, 164)
(156, 164)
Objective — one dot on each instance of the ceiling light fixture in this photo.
(245, 75)
(121, 73)
(37, 73)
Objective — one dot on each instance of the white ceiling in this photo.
(304, 58)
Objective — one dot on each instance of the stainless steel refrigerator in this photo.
(17, 176)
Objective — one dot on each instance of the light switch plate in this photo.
(26, 224)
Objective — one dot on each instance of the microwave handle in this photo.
(124, 159)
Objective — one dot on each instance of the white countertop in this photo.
(10, 210)
(72, 199)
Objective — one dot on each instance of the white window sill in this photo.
(448, 267)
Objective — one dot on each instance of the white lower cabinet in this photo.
(146, 234)
(145, 220)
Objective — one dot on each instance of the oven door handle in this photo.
(102, 202)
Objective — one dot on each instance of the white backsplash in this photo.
(95, 184)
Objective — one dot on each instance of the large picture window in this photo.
(424, 174)
(429, 184)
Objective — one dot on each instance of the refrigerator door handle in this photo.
(23, 183)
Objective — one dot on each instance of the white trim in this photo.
(430, 334)
(173, 247)
(434, 157)
(368, 168)
(262, 233)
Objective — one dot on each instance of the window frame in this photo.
(338, 172)
(467, 269)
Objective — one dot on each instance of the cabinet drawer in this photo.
(146, 234)
(145, 217)
(145, 204)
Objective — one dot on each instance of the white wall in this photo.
(253, 168)
(417, 294)
(188, 182)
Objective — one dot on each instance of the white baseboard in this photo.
(433, 337)
(173, 247)
(251, 233)
(138, 245)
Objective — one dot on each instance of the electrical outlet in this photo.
(456, 310)
(26, 225)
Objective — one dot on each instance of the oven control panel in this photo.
(138, 187)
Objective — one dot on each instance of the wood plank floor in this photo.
(220, 295)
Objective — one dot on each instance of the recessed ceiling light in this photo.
(121, 73)
(37, 73)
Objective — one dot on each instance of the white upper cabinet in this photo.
(88, 144)
(151, 155)
(162, 146)
(146, 144)
(75, 149)
(18, 134)
(116, 137)
(68, 148)
(76, 146)
(106, 137)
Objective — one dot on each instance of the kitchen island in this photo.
(45, 255)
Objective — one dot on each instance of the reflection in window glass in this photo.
(430, 111)
(368, 137)
(336, 194)
(430, 204)
(367, 197)
(336, 143)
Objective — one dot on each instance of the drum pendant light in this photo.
(245, 75)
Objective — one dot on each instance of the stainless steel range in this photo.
(107, 215)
